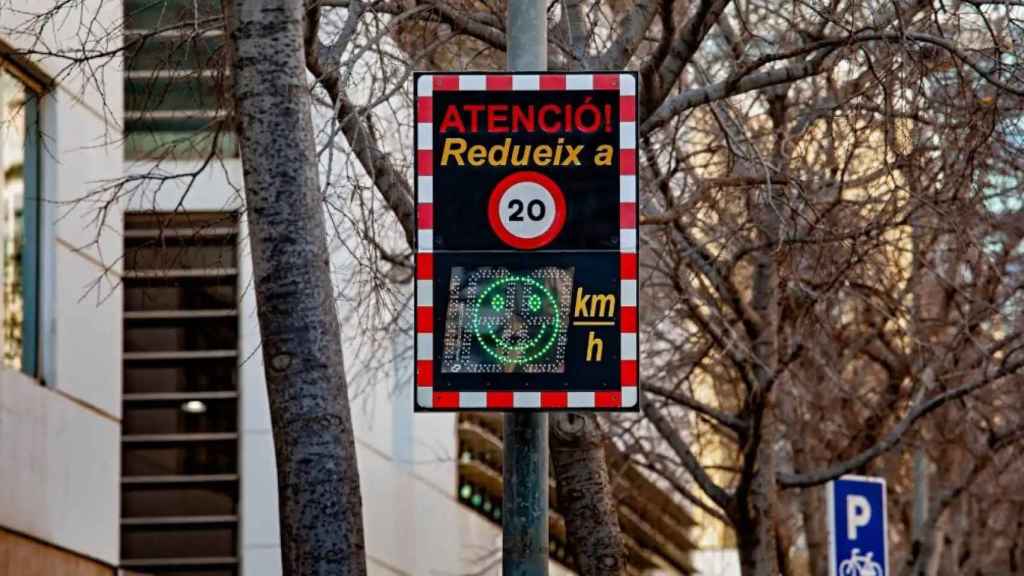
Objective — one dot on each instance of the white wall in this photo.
(60, 474)
(60, 444)
(82, 356)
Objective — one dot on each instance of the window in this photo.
(19, 219)
(174, 80)
(179, 431)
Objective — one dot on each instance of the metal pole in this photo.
(527, 35)
(524, 524)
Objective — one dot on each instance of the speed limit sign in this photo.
(526, 210)
(527, 254)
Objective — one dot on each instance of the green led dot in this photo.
(466, 491)
(534, 302)
(498, 303)
(476, 500)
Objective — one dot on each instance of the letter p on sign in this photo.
(858, 514)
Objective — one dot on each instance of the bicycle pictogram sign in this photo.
(857, 525)
(860, 565)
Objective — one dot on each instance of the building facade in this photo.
(60, 400)
(135, 435)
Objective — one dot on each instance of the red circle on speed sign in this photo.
(526, 210)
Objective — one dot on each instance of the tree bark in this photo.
(318, 482)
(758, 502)
(755, 531)
(585, 495)
(812, 511)
(811, 501)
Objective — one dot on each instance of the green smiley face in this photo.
(516, 319)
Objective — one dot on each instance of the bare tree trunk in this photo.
(812, 511)
(755, 532)
(783, 543)
(920, 548)
(810, 501)
(1017, 549)
(318, 482)
(758, 507)
(585, 495)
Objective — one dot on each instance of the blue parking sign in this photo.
(858, 528)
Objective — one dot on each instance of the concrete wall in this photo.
(60, 442)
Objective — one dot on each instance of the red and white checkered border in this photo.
(426, 396)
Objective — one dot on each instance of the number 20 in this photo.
(517, 210)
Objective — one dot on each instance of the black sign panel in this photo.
(526, 258)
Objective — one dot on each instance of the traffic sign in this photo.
(858, 527)
(526, 261)
(526, 210)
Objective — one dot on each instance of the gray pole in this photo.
(524, 524)
(527, 35)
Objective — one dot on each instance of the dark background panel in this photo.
(595, 272)
(461, 193)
